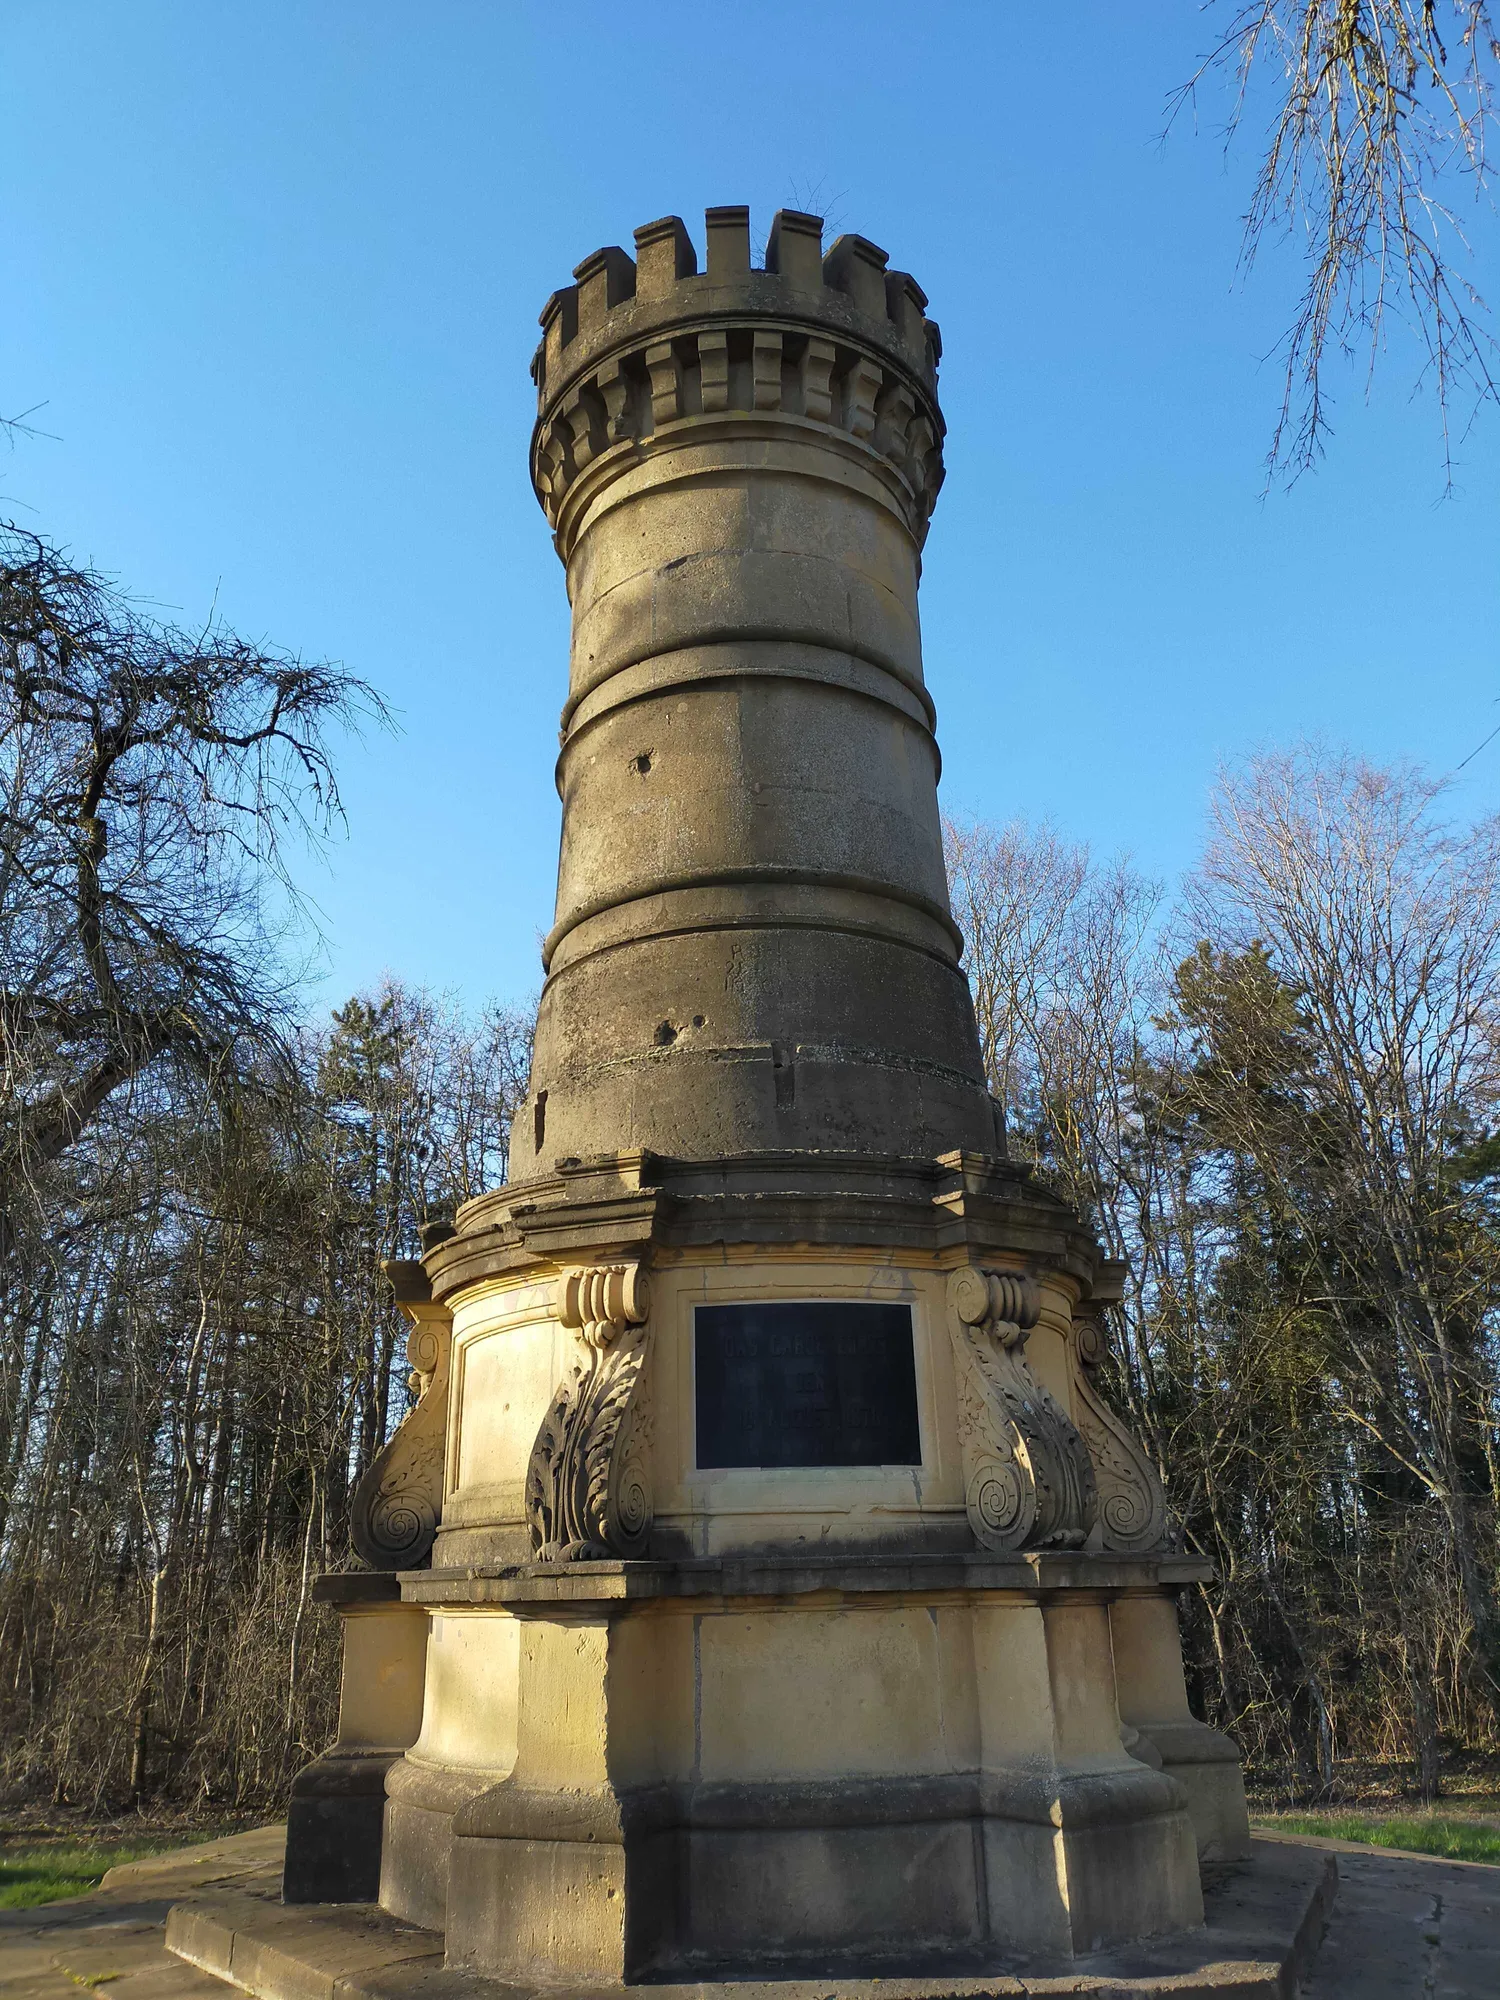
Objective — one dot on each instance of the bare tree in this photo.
(1380, 923)
(1380, 109)
(149, 781)
(1014, 891)
(1062, 961)
(191, 1383)
(1326, 1442)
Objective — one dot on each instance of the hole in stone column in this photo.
(539, 1121)
(785, 1076)
(643, 762)
(666, 1034)
(700, 1020)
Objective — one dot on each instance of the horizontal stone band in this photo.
(753, 877)
(583, 945)
(748, 657)
(1052, 1799)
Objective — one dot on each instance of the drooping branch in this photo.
(1378, 121)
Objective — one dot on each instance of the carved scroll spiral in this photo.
(426, 1353)
(1132, 1504)
(1028, 1482)
(396, 1506)
(588, 1489)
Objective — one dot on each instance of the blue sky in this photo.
(273, 274)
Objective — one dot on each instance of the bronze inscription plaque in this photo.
(826, 1382)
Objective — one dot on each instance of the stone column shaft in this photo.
(753, 948)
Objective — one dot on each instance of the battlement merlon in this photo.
(617, 298)
(837, 339)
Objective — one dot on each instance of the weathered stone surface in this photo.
(717, 1762)
(1152, 1696)
(113, 1941)
(393, 1514)
(753, 946)
(1263, 1920)
(337, 1808)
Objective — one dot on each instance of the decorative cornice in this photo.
(1028, 1482)
(776, 377)
(588, 1486)
(1045, 1575)
(617, 1207)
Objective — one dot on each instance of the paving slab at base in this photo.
(1409, 1927)
(113, 1939)
(1265, 1918)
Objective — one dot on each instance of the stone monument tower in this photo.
(762, 1582)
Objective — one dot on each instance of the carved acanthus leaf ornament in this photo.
(1028, 1482)
(588, 1487)
(396, 1506)
(1133, 1514)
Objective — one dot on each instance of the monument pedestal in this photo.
(1153, 1705)
(783, 1764)
(830, 1714)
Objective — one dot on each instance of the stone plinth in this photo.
(789, 1762)
(337, 1808)
(792, 1597)
(1263, 1920)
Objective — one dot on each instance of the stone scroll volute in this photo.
(1028, 1482)
(588, 1484)
(1133, 1516)
(397, 1505)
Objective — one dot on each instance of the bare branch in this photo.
(1377, 122)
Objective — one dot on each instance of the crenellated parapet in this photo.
(641, 351)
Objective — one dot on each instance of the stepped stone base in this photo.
(1264, 1919)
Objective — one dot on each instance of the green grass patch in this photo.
(32, 1875)
(1456, 1839)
